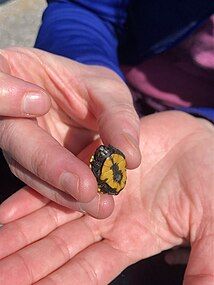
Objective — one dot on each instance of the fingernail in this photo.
(131, 141)
(35, 104)
(70, 183)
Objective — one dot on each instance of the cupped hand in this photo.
(86, 101)
(168, 201)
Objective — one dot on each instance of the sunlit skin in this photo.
(79, 102)
(168, 201)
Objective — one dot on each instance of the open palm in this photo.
(86, 101)
(168, 201)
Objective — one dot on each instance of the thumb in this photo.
(200, 268)
(118, 122)
(19, 98)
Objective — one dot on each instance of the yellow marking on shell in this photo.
(106, 172)
(121, 158)
(116, 158)
(112, 184)
(123, 180)
(108, 162)
(124, 175)
(115, 184)
(118, 188)
(108, 175)
(106, 169)
(122, 165)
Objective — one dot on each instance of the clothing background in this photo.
(112, 33)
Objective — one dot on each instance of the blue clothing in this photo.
(84, 31)
(92, 32)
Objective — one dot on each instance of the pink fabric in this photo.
(182, 76)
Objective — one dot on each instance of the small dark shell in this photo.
(109, 167)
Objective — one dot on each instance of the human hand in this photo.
(168, 201)
(19, 98)
(86, 101)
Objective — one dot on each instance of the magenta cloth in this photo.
(180, 77)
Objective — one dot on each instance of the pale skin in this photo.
(84, 89)
(168, 201)
(79, 102)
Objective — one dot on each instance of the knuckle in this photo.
(124, 108)
(88, 271)
(61, 246)
(39, 162)
(122, 112)
(15, 168)
(119, 88)
(20, 229)
(53, 216)
(7, 133)
(26, 268)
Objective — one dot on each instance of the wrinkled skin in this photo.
(168, 201)
(76, 103)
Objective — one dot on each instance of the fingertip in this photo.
(133, 157)
(100, 207)
(6, 213)
(106, 206)
(130, 148)
(36, 103)
(133, 160)
(127, 141)
(82, 188)
(132, 151)
(20, 204)
(46, 103)
(87, 188)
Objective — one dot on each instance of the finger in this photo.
(118, 121)
(100, 207)
(200, 270)
(46, 255)
(100, 263)
(20, 204)
(45, 158)
(24, 231)
(19, 98)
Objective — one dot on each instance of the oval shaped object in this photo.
(108, 165)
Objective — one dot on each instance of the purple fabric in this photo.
(181, 78)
